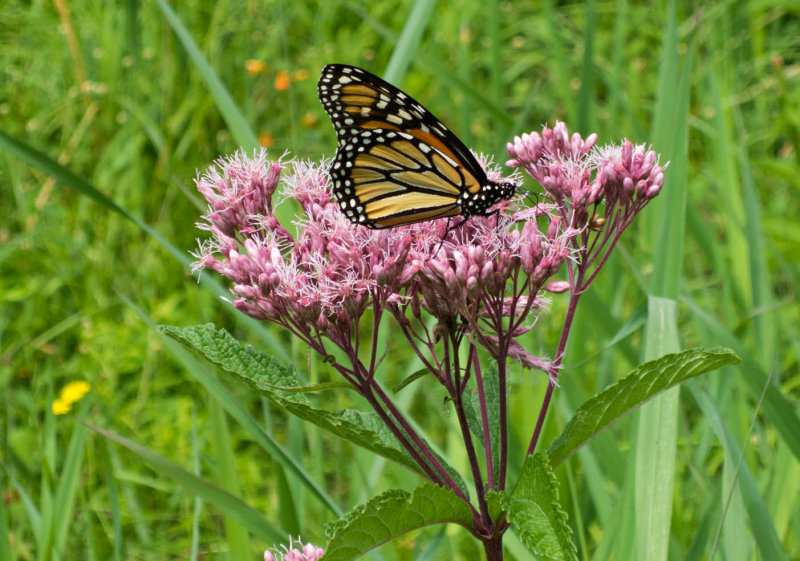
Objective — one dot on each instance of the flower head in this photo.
(596, 191)
(297, 551)
(69, 394)
(320, 275)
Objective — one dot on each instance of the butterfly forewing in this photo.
(396, 163)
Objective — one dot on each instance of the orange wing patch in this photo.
(369, 191)
(421, 216)
(426, 180)
(411, 151)
(358, 100)
(389, 153)
(370, 161)
(359, 89)
(381, 209)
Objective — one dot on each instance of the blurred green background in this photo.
(103, 101)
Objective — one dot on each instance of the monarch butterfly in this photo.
(396, 163)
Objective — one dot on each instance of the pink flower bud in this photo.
(557, 287)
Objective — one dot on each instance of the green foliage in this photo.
(108, 111)
(228, 503)
(390, 515)
(473, 411)
(270, 377)
(533, 508)
(645, 382)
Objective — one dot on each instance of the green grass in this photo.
(98, 207)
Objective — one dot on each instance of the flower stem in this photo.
(487, 436)
(502, 411)
(405, 429)
(562, 343)
(493, 547)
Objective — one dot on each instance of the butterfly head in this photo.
(491, 193)
(506, 189)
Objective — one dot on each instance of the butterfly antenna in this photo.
(532, 197)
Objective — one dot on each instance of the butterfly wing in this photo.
(396, 163)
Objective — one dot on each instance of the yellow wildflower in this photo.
(59, 407)
(74, 391)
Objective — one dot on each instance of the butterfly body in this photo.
(396, 163)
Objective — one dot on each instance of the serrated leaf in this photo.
(392, 514)
(533, 509)
(269, 376)
(312, 388)
(619, 399)
(279, 383)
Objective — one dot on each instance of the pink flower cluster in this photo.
(320, 281)
(295, 552)
(483, 283)
(577, 175)
(320, 275)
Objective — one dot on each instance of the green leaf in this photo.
(472, 409)
(267, 375)
(392, 514)
(311, 388)
(646, 381)
(217, 390)
(421, 373)
(533, 509)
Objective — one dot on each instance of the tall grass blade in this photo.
(657, 435)
(586, 91)
(236, 410)
(236, 122)
(761, 523)
(228, 478)
(69, 484)
(118, 540)
(228, 504)
(5, 544)
(766, 317)
(198, 502)
(778, 409)
(405, 49)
